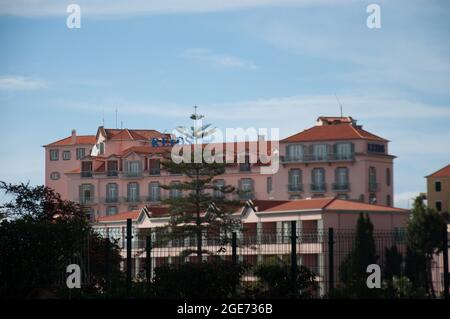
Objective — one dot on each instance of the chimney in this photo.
(74, 136)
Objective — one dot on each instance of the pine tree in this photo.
(424, 233)
(354, 267)
(203, 206)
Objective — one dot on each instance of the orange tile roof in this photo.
(132, 134)
(80, 140)
(301, 204)
(340, 204)
(134, 214)
(443, 172)
(333, 132)
(331, 204)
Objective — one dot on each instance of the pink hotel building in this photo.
(118, 170)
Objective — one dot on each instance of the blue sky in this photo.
(247, 63)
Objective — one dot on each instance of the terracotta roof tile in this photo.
(443, 172)
(332, 132)
(134, 214)
(80, 140)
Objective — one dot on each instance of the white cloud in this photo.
(406, 199)
(20, 83)
(133, 7)
(215, 60)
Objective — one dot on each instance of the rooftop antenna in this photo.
(339, 103)
(116, 118)
(103, 117)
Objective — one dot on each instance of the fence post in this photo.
(234, 248)
(293, 248)
(445, 256)
(129, 247)
(330, 259)
(148, 259)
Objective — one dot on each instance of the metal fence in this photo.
(324, 252)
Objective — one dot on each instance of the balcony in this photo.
(245, 167)
(318, 188)
(137, 174)
(85, 174)
(154, 171)
(87, 200)
(374, 187)
(133, 199)
(246, 195)
(112, 173)
(109, 200)
(154, 199)
(341, 187)
(295, 188)
(306, 158)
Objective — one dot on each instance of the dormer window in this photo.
(101, 148)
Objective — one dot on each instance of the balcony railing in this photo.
(86, 174)
(246, 195)
(318, 158)
(318, 188)
(295, 188)
(86, 200)
(110, 200)
(243, 167)
(154, 171)
(133, 174)
(374, 187)
(112, 173)
(341, 187)
(133, 199)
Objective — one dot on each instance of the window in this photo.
(388, 200)
(246, 188)
(373, 186)
(375, 148)
(54, 155)
(86, 169)
(101, 148)
(112, 192)
(388, 176)
(134, 168)
(86, 193)
(133, 192)
(113, 168)
(245, 167)
(295, 180)
(318, 179)
(155, 167)
(66, 155)
(219, 183)
(175, 192)
(55, 176)
(154, 192)
(111, 210)
(294, 197)
(89, 213)
(80, 153)
(295, 151)
(320, 151)
(439, 206)
(341, 178)
(437, 186)
(344, 150)
(269, 185)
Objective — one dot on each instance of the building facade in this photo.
(119, 170)
(438, 189)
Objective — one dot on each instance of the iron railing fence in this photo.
(324, 252)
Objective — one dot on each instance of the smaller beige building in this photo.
(438, 189)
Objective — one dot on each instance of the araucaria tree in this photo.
(198, 204)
